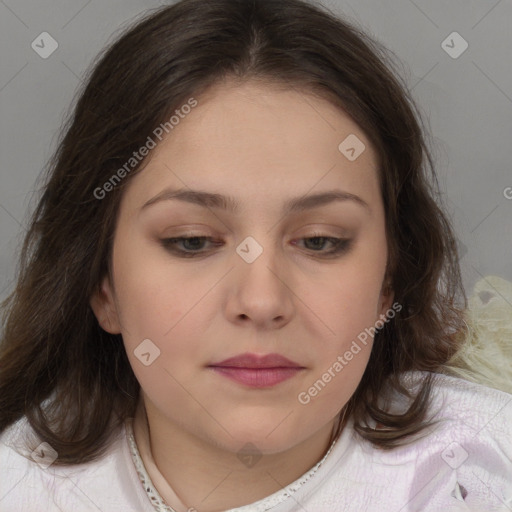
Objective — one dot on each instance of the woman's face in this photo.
(268, 278)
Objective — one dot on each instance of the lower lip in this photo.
(257, 377)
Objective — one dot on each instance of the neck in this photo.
(198, 474)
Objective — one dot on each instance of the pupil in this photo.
(317, 241)
(194, 242)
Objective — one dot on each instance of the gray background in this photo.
(466, 100)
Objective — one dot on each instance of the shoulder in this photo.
(462, 462)
(28, 477)
(460, 409)
(466, 455)
(478, 408)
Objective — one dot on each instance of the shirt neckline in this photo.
(265, 504)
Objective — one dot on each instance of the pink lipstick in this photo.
(257, 371)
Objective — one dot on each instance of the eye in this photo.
(318, 242)
(193, 246)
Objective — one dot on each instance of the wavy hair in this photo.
(71, 379)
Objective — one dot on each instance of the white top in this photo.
(464, 464)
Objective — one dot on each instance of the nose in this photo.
(261, 292)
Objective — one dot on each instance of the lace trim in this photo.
(262, 506)
(156, 500)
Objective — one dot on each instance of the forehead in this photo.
(259, 139)
(260, 118)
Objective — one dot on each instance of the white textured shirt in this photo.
(464, 463)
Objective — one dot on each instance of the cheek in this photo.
(349, 309)
(159, 314)
(155, 303)
(342, 357)
(331, 387)
(348, 301)
(151, 296)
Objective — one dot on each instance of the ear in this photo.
(386, 296)
(103, 304)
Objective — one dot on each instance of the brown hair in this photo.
(71, 379)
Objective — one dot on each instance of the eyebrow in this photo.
(230, 204)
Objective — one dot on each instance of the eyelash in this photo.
(341, 245)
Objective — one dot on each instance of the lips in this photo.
(257, 362)
(257, 371)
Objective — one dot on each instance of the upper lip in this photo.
(257, 361)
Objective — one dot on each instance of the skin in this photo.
(263, 145)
